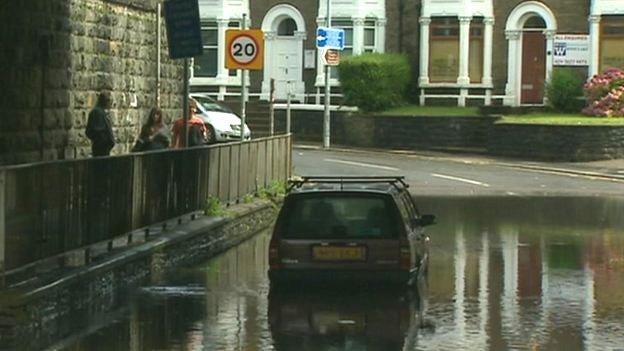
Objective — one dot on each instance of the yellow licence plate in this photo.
(339, 253)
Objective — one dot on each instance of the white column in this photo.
(487, 50)
(550, 44)
(320, 70)
(594, 45)
(358, 35)
(222, 72)
(464, 47)
(424, 50)
(269, 38)
(380, 35)
(460, 283)
(512, 97)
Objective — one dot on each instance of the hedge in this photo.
(374, 82)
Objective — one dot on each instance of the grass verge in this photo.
(561, 119)
(432, 111)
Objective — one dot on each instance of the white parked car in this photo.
(221, 122)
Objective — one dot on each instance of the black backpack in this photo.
(196, 136)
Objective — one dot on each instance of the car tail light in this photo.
(274, 256)
(405, 258)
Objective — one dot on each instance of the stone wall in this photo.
(56, 55)
(391, 131)
(556, 143)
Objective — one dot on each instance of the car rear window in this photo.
(337, 216)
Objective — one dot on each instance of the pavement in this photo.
(605, 169)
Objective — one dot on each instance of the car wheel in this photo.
(211, 137)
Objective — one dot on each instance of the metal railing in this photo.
(47, 209)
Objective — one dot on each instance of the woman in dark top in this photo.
(154, 134)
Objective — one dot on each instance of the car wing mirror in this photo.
(425, 220)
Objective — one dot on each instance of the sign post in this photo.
(245, 51)
(184, 38)
(329, 39)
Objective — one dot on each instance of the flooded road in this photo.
(505, 273)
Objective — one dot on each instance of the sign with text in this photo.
(330, 38)
(571, 50)
(244, 49)
(183, 29)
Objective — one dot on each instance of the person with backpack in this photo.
(198, 134)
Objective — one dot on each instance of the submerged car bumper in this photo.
(285, 276)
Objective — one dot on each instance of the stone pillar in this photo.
(464, 47)
(424, 50)
(380, 35)
(594, 45)
(512, 97)
(487, 51)
(358, 35)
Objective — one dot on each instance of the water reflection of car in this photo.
(363, 229)
(222, 124)
(349, 319)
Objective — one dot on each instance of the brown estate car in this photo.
(349, 229)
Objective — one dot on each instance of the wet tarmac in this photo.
(505, 274)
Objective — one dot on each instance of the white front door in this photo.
(287, 66)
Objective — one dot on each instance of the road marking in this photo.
(351, 163)
(469, 181)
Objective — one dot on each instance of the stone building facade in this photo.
(56, 55)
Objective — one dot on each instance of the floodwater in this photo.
(505, 274)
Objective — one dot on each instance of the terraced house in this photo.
(463, 51)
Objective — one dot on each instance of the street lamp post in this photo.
(326, 115)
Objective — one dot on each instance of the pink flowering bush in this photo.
(605, 94)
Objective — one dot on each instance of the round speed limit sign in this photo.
(245, 49)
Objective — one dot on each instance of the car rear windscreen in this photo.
(337, 216)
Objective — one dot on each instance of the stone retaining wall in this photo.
(473, 134)
(37, 317)
(556, 143)
(56, 55)
(391, 131)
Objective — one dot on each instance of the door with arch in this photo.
(287, 59)
(533, 62)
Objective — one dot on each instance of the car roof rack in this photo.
(397, 181)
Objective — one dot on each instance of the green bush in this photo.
(564, 90)
(374, 82)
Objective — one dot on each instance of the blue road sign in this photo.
(183, 29)
(330, 38)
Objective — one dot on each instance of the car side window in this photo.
(409, 204)
(403, 209)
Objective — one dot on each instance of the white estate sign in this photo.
(571, 50)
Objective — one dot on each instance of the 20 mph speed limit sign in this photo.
(245, 49)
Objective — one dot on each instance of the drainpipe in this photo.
(401, 10)
(158, 53)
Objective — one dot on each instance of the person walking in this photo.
(154, 134)
(99, 129)
(197, 130)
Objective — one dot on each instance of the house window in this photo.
(369, 36)
(347, 25)
(444, 49)
(206, 64)
(287, 27)
(611, 42)
(475, 60)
